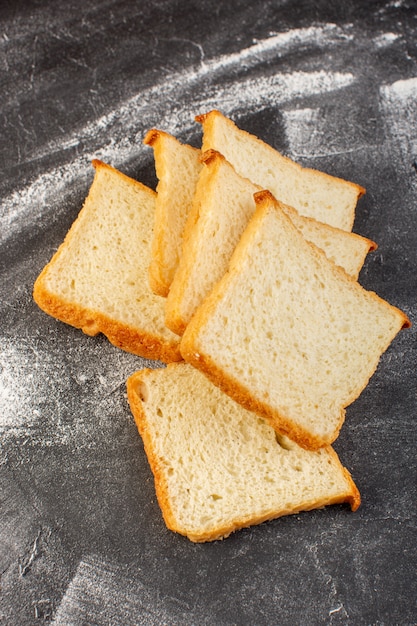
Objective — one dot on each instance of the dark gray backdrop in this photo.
(333, 85)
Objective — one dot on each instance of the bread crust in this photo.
(158, 271)
(138, 341)
(233, 388)
(130, 339)
(97, 164)
(350, 496)
(152, 136)
(139, 415)
(265, 198)
(213, 156)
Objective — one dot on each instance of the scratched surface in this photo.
(334, 86)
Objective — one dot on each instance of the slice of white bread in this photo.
(177, 167)
(223, 205)
(312, 193)
(287, 333)
(219, 467)
(98, 278)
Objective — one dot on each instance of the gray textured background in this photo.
(333, 85)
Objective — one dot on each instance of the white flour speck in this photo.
(103, 588)
(16, 408)
(278, 43)
(385, 39)
(301, 130)
(399, 107)
(307, 132)
(116, 137)
(39, 382)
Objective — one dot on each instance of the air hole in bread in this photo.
(281, 441)
(244, 431)
(143, 392)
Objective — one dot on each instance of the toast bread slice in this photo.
(217, 467)
(98, 278)
(287, 333)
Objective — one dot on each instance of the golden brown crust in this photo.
(265, 197)
(203, 117)
(372, 244)
(210, 156)
(139, 415)
(155, 285)
(350, 496)
(157, 274)
(354, 497)
(135, 340)
(229, 385)
(174, 318)
(151, 137)
(226, 530)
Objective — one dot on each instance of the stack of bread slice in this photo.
(243, 268)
